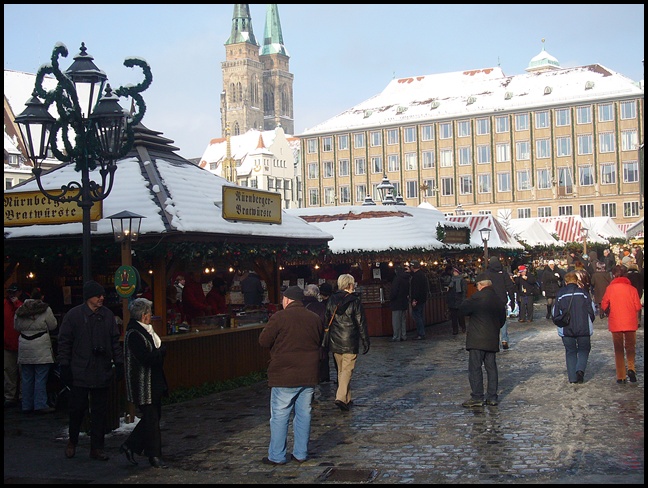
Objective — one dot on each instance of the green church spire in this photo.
(272, 36)
(242, 25)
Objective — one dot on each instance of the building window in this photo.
(586, 175)
(630, 172)
(501, 124)
(327, 144)
(503, 152)
(393, 162)
(213, 165)
(585, 144)
(563, 146)
(484, 184)
(411, 188)
(631, 209)
(360, 166)
(328, 169)
(445, 158)
(587, 210)
(565, 210)
(329, 195)
(562, 117)
(465, 185)
(628, 110)
(565, 181)
(447, 186)
(544, 179)
(542, 120)
(523, 213)
(376, 138)
(361, 193)
(427, 133)
(543, 148)
(608, 210)
(343, 142)
(392, 137)
(313, 171)
(522, 150)
(313, 197)
(345, 195)
(359, 140)
(463, 128)
(397, 189)
(608, 174)
(523, 180)
(521, 122)
(606, 142)
(377, 165)
(445, 130)
(409, 134)
(8, 183)
(605, 112)
(584, 115)
(503, 182)
(344, 167)
(465, 156)
(428, 159)
(629, 140)
(429, 188)
(311, 145)
(410, 161)
(483, 127)
(483, 154)
(544, 211)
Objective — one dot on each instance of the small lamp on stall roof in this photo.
(126, 226)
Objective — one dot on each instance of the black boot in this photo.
(548, 312)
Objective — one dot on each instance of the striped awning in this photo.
(499, 235)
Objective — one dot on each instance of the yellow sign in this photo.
(251, 205)
(32, 207)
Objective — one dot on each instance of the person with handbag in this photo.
(574, 315)
(347, 328)
(34, 320)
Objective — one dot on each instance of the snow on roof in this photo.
(193, 203)
(604, 227)
(530, 231)
(471, 92)
(19, 86)
(359, 228)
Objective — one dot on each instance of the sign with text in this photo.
(251, 205)
(456, 236)
(32, 207)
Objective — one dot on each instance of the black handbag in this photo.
(327, 334)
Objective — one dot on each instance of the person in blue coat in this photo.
(575, 336)
(487, 316)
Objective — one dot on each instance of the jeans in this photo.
(34, 386)
(399, 324)
(417, 315)
(504, 332)
(577, 351)
(284, 401)
(476, 376)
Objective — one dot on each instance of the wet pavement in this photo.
(406, 424)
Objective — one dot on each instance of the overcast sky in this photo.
(340, 55)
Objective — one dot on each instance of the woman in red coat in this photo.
(622, 299)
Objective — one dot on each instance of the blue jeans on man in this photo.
(34, 386)
(577, 351)
(477, 357)
(418, 316)
(283, 402)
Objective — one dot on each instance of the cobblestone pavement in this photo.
(406, 424)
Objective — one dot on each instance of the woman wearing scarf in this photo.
(456, 294)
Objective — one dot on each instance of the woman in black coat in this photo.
(145, 383)
(551, 278)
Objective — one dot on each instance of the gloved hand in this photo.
(366, 349)
(119, 371)
(66, 375)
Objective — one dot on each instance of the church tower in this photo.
(257, 87)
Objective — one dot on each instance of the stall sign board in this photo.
(456, 236)
(32, 208)
(251, 205)
(126, 278)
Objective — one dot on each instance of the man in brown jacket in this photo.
(293, 335)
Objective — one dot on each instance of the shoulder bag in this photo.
(327, 334)
(563, 321)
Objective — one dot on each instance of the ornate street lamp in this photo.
(400, 200)
(584, 233)
(485, 236)
(368, 201)
(386, 189)
(94, 131)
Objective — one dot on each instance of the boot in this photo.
(548, 312)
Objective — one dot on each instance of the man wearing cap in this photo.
(419, 288)
(504, 289)
(293, 335)
(12, 303)
(88, 345)
(525, 283)
(552, 279)
(487, 316)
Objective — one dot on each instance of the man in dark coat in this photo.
(419, 288)
(399, 303)
(525, 283)
(487, 316)
(609, 260)
(252, 289)
(294, 336)
(312, 302)
(504, 289)
(551, 279)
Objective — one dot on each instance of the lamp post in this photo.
(584, 233)
(485, 236)
(386, 189)
(91, 131)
